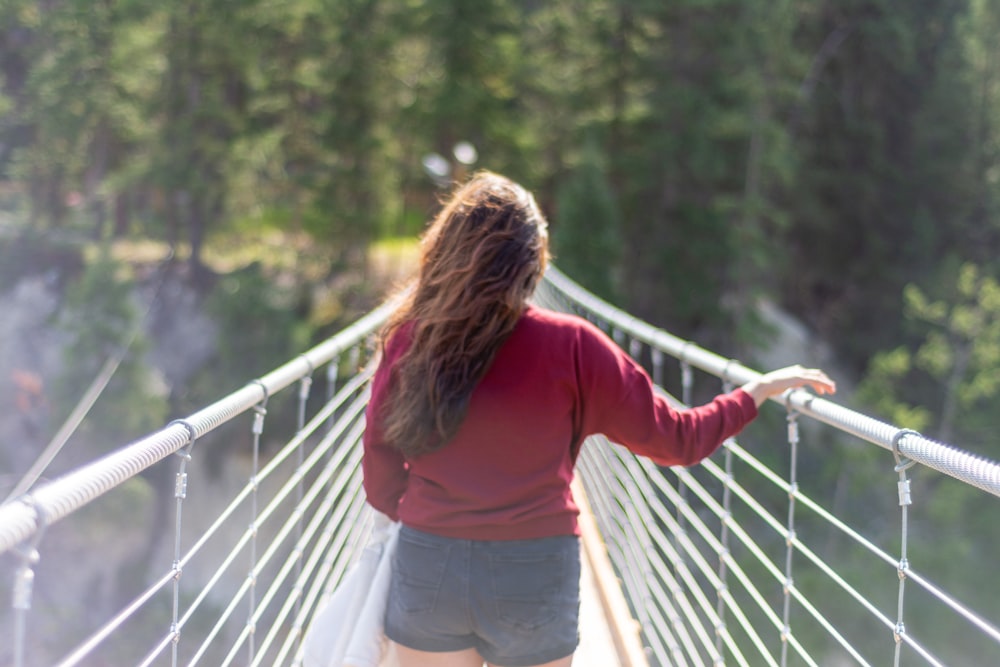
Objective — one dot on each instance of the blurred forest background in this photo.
(276, 158)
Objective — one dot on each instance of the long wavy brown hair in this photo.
(481, 259)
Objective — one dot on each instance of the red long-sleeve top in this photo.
(506, 473)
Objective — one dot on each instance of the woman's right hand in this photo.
(790, 377)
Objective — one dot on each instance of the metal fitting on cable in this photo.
(192, 435)
(258, 419)
(902, 462)
(25, 580)
(793, 426)
(180, 483)
(260, 410)
(903, 487)
(898, 632)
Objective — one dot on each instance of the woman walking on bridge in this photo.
(479, 408)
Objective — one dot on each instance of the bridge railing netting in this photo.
(729, 562)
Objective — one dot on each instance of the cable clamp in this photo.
(309, 363)
(793, 421)
(24, 581)
(192, 434)
(902, 462)
(263, 388)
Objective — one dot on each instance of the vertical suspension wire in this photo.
(905, 500)
(180, 494)
(793, 488)
(657, 357)
(24, 585)
(332, 370)
(727, 517)
(305, 386)
(687, 387)
(259, 413)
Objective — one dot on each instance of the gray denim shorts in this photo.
(515, 601)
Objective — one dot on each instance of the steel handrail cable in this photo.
(20, 518)
(973, 469)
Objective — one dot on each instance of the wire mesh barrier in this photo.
(729, 562)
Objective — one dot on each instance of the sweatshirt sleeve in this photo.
(384, 468)
(619, 399)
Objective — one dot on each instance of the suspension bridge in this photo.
(731, 562)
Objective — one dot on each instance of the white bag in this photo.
(348, 630)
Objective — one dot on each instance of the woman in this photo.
(478, 410)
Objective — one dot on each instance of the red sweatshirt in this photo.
(506, 474)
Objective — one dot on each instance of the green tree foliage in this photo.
(825, 153)
(882, 190)
(954, 367)
(585, 239)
